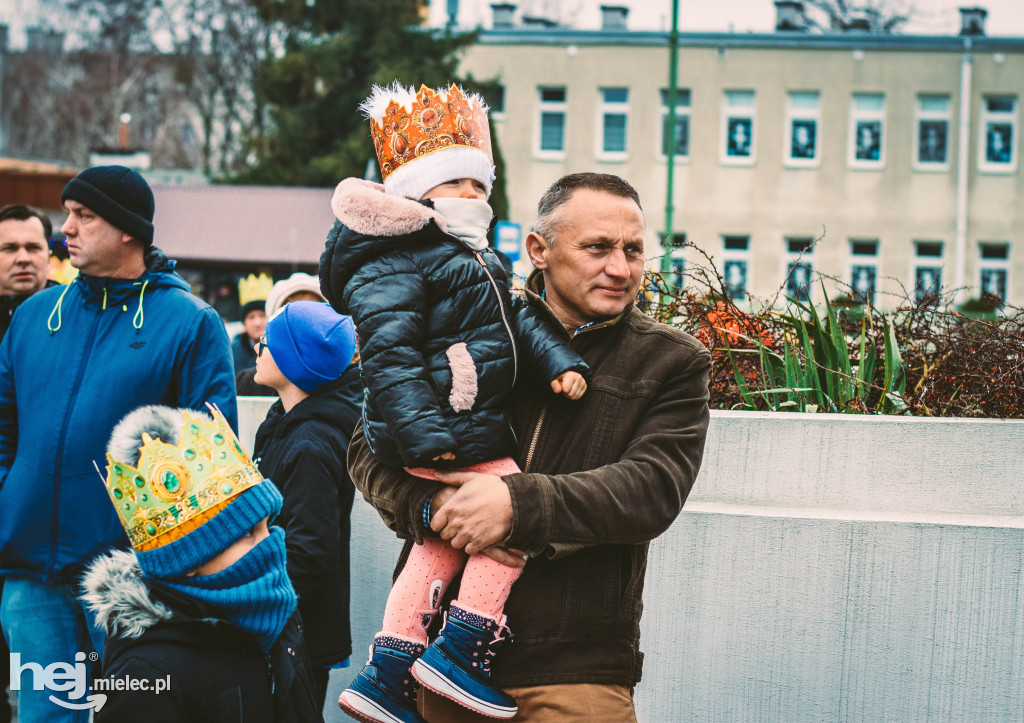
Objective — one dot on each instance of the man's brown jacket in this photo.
(602, 477)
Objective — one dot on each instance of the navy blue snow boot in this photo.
(385, 691)
(458, 663)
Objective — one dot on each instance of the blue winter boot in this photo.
(458, 663)
(385, 691)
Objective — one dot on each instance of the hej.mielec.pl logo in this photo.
(74, 681)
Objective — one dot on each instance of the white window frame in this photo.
(927, 261)
(795, 114)
(994, 264)
(549, 106)
(805, 259)
(923, 115)
(732, 110)
(866, 260)
(607, 108)
(733, 255)
(682, 113)
(867, 115)
(998, 118)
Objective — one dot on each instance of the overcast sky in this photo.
(938, 17)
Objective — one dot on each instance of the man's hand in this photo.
(478, 515)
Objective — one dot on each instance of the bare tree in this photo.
(874, 16)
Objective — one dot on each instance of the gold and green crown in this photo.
(176, 488)
(254, 288)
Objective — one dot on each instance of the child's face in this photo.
(458, 188)
(267, 371)
(235, 552)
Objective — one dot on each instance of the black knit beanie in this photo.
(118, 195)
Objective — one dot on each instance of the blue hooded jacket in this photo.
(77, 359)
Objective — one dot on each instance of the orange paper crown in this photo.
(410, 127)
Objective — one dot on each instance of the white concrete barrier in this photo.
(826, 567)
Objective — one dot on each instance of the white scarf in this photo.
(468, 219)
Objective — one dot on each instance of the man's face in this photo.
(255, 323)
(94, 245)
(594, 269)
(24, 256)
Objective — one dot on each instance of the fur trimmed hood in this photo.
(364, 207)
(116, 593)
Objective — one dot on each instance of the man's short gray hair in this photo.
(549, 218)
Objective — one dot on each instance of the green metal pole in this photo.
(670, 152)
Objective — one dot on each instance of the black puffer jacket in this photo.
(217, 671)
(303, 452)
(440, 336)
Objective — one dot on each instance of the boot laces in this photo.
(501, 633)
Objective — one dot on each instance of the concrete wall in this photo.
(826, 567)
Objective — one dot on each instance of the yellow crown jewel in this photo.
(430, 122)
(254, 288)
(176, 488)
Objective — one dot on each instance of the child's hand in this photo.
(569, 384)
(449, 455)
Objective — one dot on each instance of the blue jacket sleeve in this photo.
(8, 411)
(206, 373)
(544, 347)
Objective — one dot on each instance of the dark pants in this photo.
(320, 679)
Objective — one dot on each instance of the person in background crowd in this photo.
(77, 358)
(297, 287)
(203, 602)
(307, 359)
(243, 346)
(24, 263)
(602, 476)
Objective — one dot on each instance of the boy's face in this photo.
(267, 371)
(458, 188)
(235, 552)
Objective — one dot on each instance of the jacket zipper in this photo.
(534, 439)
(58, 461)
(504, 319)
(270, 673)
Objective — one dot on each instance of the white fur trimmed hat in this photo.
(428, 137)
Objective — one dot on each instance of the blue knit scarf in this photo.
(254, 593)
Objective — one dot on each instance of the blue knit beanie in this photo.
(311, 343)
(118, 195)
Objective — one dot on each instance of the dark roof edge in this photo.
(797, 40)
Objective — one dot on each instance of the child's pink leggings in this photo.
(416, 594)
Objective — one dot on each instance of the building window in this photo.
(804, 116)
(927, 270)
(994, 268)
(864, 270)
(799, 268)
(552, 121)
(614, 119)
(681, 137)
(999, 133)
(867, 126)
(736, 266)
(495, 97)
(932, 131)
(738, 130)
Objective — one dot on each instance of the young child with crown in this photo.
(201, 609)
(442, 344)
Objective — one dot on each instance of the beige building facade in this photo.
(897, 156)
